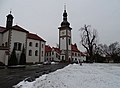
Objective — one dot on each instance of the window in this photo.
(30, 52)
(30, 43)
(36, 53)
(17, 46)
(6, 44)
(2, 44)
(75, 54)
(72, 54)
(52, 52)
(49, 53)
(62, 57)
(36, 45)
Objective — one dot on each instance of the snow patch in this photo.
(76, 76)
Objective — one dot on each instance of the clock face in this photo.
(63, 33)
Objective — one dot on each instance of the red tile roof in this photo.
(18, 28)
(48, 48)
(2, 29)
(74, 48)
(57, 50)
(35, 36)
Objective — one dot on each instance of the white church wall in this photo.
(5, 37)
(3, 57)
(42, 51)
(19, 37)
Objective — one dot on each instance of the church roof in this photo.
(18, 28)
(48, 48)
(57, 50)
(35, 37)
(74, 48)
(2, 29)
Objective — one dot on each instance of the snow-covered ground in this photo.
(75, 76)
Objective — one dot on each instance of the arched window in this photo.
(30, 52)
(36, 45)
(6, 44)
(30, 43)
(36, 53)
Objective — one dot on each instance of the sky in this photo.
(43, 17)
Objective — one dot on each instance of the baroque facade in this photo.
(66, 51)
(16, 37)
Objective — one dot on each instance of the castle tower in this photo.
(9, 21)
(65, 38)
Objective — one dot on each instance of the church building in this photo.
(16, 38)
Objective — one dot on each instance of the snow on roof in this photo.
(35, 36)
(18, 28)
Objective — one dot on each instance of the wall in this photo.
(17, 36)
(1, 36)
(3, 57)
(5, 37)
(42, 51)
(63, 43)
(33, 58)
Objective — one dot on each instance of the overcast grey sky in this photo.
(44, 17)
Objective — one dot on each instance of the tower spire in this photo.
(64, 6)
(65, 22)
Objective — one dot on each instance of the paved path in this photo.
(10, 77)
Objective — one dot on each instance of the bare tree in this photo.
(111, 52)
(88, 39)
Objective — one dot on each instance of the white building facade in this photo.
(52, 54)
(16, 37)
(35, 49)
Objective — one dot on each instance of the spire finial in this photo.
(10, 11)
(64, 6)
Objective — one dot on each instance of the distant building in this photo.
(16, 37)
(77, 55)
(52, 54)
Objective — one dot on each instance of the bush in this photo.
(13, 59)
(2, 64)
